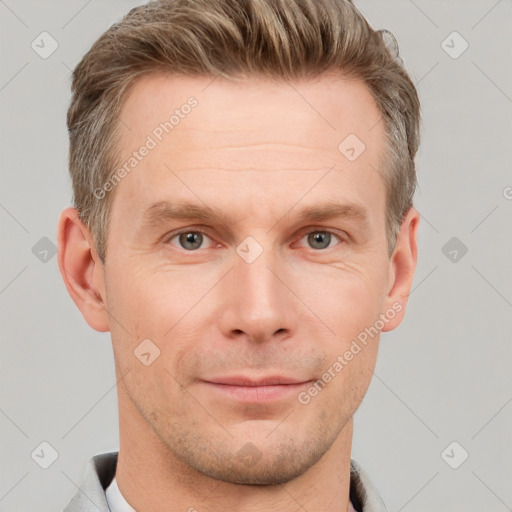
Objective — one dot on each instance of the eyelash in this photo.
(302, 235)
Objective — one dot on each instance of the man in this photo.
(243, 174)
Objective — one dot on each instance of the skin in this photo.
(260, 152)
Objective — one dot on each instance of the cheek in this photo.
(134, 309)
(346, 300)
(165, 307)
(146, 307)
(150, 302)
(349, 302)
(345, 378)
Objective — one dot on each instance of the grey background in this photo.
(443, 376)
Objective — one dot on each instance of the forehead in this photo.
(316, 114)
(278, 131)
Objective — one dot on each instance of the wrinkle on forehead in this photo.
(315, 115)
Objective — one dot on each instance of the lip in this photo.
(266, 389)
(241, 380)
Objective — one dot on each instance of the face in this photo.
(248, 243)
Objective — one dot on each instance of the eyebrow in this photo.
(163, 211)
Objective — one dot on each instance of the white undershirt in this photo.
(117, 503)
(115, 500)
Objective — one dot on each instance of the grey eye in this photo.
(319, 239)
(191, 240)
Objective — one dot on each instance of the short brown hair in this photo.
(284, 39)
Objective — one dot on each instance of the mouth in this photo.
(265, 389)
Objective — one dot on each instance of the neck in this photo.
(150, 477)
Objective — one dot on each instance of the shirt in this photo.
(101, 469)
(117, 502)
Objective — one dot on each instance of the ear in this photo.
(81, 269)
(402, 265)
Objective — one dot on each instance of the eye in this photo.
(189, 240)
(320, 239)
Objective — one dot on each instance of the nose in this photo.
(258, 301)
